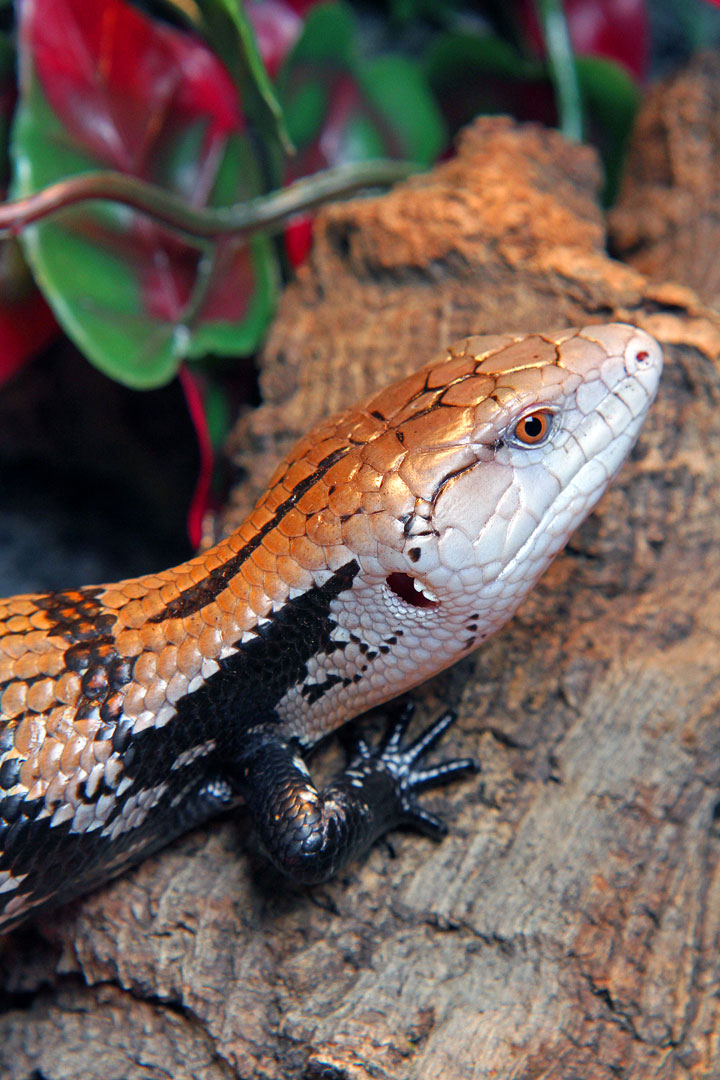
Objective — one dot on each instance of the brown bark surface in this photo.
(667, 219)
(568, 926)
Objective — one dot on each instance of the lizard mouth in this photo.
(411, 590)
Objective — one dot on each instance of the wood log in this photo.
(568, 925)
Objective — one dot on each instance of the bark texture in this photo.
(667, 220)
(568, 926)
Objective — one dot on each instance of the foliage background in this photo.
(204, 98)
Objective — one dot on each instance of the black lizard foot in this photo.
(400, 762)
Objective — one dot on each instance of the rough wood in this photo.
(568, 926)
(667, 220)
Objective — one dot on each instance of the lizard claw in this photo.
(400, 761)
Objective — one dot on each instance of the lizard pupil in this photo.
(533, 428)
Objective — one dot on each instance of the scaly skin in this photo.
(393, 540)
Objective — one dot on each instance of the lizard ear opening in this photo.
(411, 591)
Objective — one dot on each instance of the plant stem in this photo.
(561, 61)
(265, 213)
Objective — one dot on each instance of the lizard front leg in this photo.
(310, 834)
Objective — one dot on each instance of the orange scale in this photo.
(152, 637)
(13, 645)
(135, 588)
(129, 643)
(324, 529)
(14, 700)
(470, 391)
(277, 542)
(345, 500)
(185, 582)
(169, 591)
(320, 446)
(114, 598)
(134, 615)
(259, 602)
(29, 735)
(39, 620)
(18, 624)
(227, 602)
(368, 479)
(455, 368)
(155, 696)
(363, 428)
(298, 471)
(68, 688)
(71, 754)
(26, 666)
(167, 663)
(314, 500)
(292, 524)
(384, 453)
(23, 605)
(358, 536)
(241, 583)
(41, 695)
(210, 642)
(344, 470)
(135, 699)
(199, 569)
(29, 771)
(145, 668)
(308, 555)
(88, 728)
(265, 559)
(442, 425)
(531, 351)
(152, 604)
(275, 587)
(420, 404)
(388, 530)
(7, 669)
(297, 577)
(175, 631)
(395, 397)
(38, 642)
(53, 662)
(49, 758)
(188, 658)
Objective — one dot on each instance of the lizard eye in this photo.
(533, 429)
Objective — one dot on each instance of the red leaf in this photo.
(118, 81)
(298, 239)
(616, 29)
(201, 496)
(277, 26)
(27, 325)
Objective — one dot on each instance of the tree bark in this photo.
(568, 925)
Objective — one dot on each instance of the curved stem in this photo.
(265, 213)
(561, 60)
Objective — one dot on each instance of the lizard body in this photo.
(392, 541)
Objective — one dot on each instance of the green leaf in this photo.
(456, 55)
(397, 88)
(611, 100)
(230, 34)
(134, 297)
(341, 107)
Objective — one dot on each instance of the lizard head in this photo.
(453, 490)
